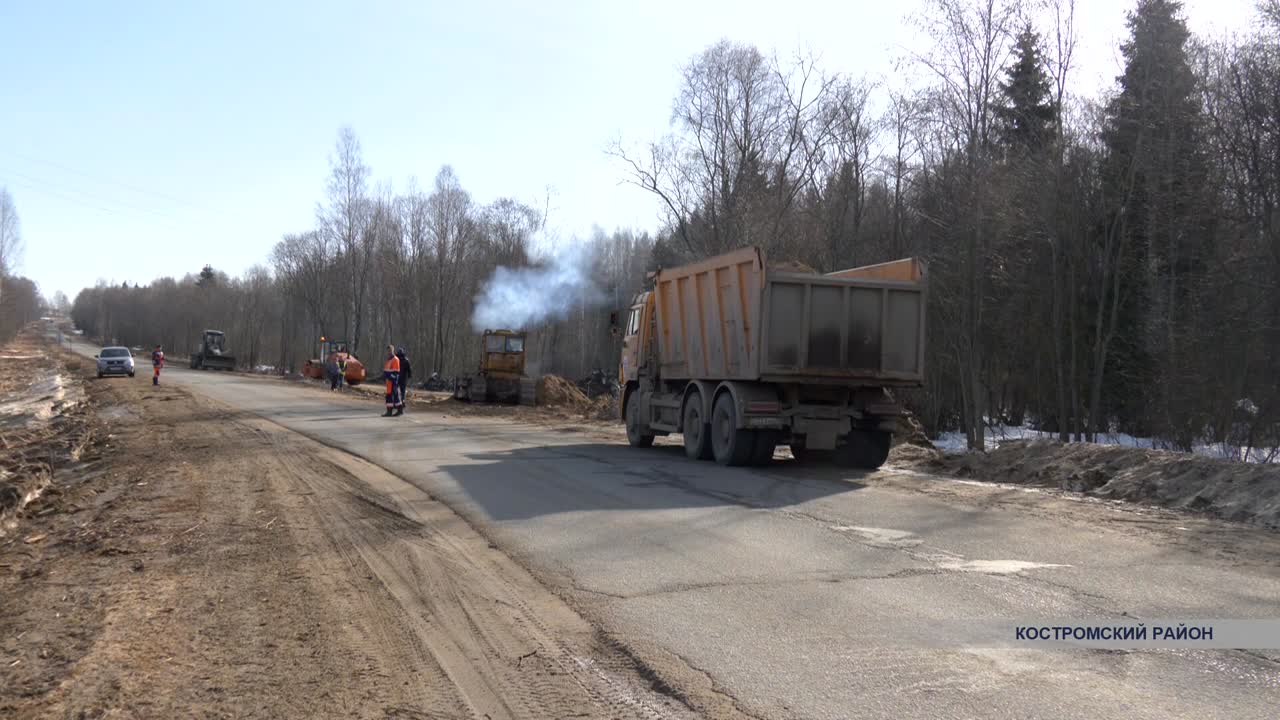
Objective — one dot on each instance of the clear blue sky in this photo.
(142, 139)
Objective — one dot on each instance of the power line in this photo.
(112, 181)
(58, 187)
(60, 196)
(166, 222)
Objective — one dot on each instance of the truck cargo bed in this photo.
(731, 318)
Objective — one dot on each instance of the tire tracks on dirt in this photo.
(509, 648)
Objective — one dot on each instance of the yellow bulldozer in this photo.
(501, 377)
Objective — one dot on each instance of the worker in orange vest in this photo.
(391, 374)
(157, 362)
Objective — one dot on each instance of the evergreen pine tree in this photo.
(1154, 181)
(1026, 113)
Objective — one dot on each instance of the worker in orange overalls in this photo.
(391, 374)
(157, 362)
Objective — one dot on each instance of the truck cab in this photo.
(635, 337)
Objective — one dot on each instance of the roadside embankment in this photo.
(1242, 492)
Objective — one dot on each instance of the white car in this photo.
(115, 361)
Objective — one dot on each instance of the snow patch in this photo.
(955, 442)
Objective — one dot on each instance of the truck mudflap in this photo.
(753, 402)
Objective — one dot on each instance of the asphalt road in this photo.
(816, 593)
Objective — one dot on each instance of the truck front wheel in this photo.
(730, 445)
(864, 449)
(635, 431)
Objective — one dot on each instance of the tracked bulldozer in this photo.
(501, 377)
(212, 353)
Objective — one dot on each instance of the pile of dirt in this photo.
(1236, 491)
(604, 407)
(912, 455)
(911, 432)
(555, 391)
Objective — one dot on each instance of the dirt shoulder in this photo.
(198, 562)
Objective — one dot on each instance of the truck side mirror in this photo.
(613, 323)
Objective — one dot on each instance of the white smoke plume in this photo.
(518, 298)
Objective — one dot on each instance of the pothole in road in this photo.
(943, 560)
(881, 537)
(994, 567)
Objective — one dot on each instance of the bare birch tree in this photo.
(343, 221)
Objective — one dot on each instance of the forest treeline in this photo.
(1096, 264)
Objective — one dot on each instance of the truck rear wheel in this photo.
(697, 431)
(635, 431)
(864, 449)
(730, 445)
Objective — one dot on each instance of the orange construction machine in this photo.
(335, 352)
(501, 377)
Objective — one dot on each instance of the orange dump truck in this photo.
(740, 358)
